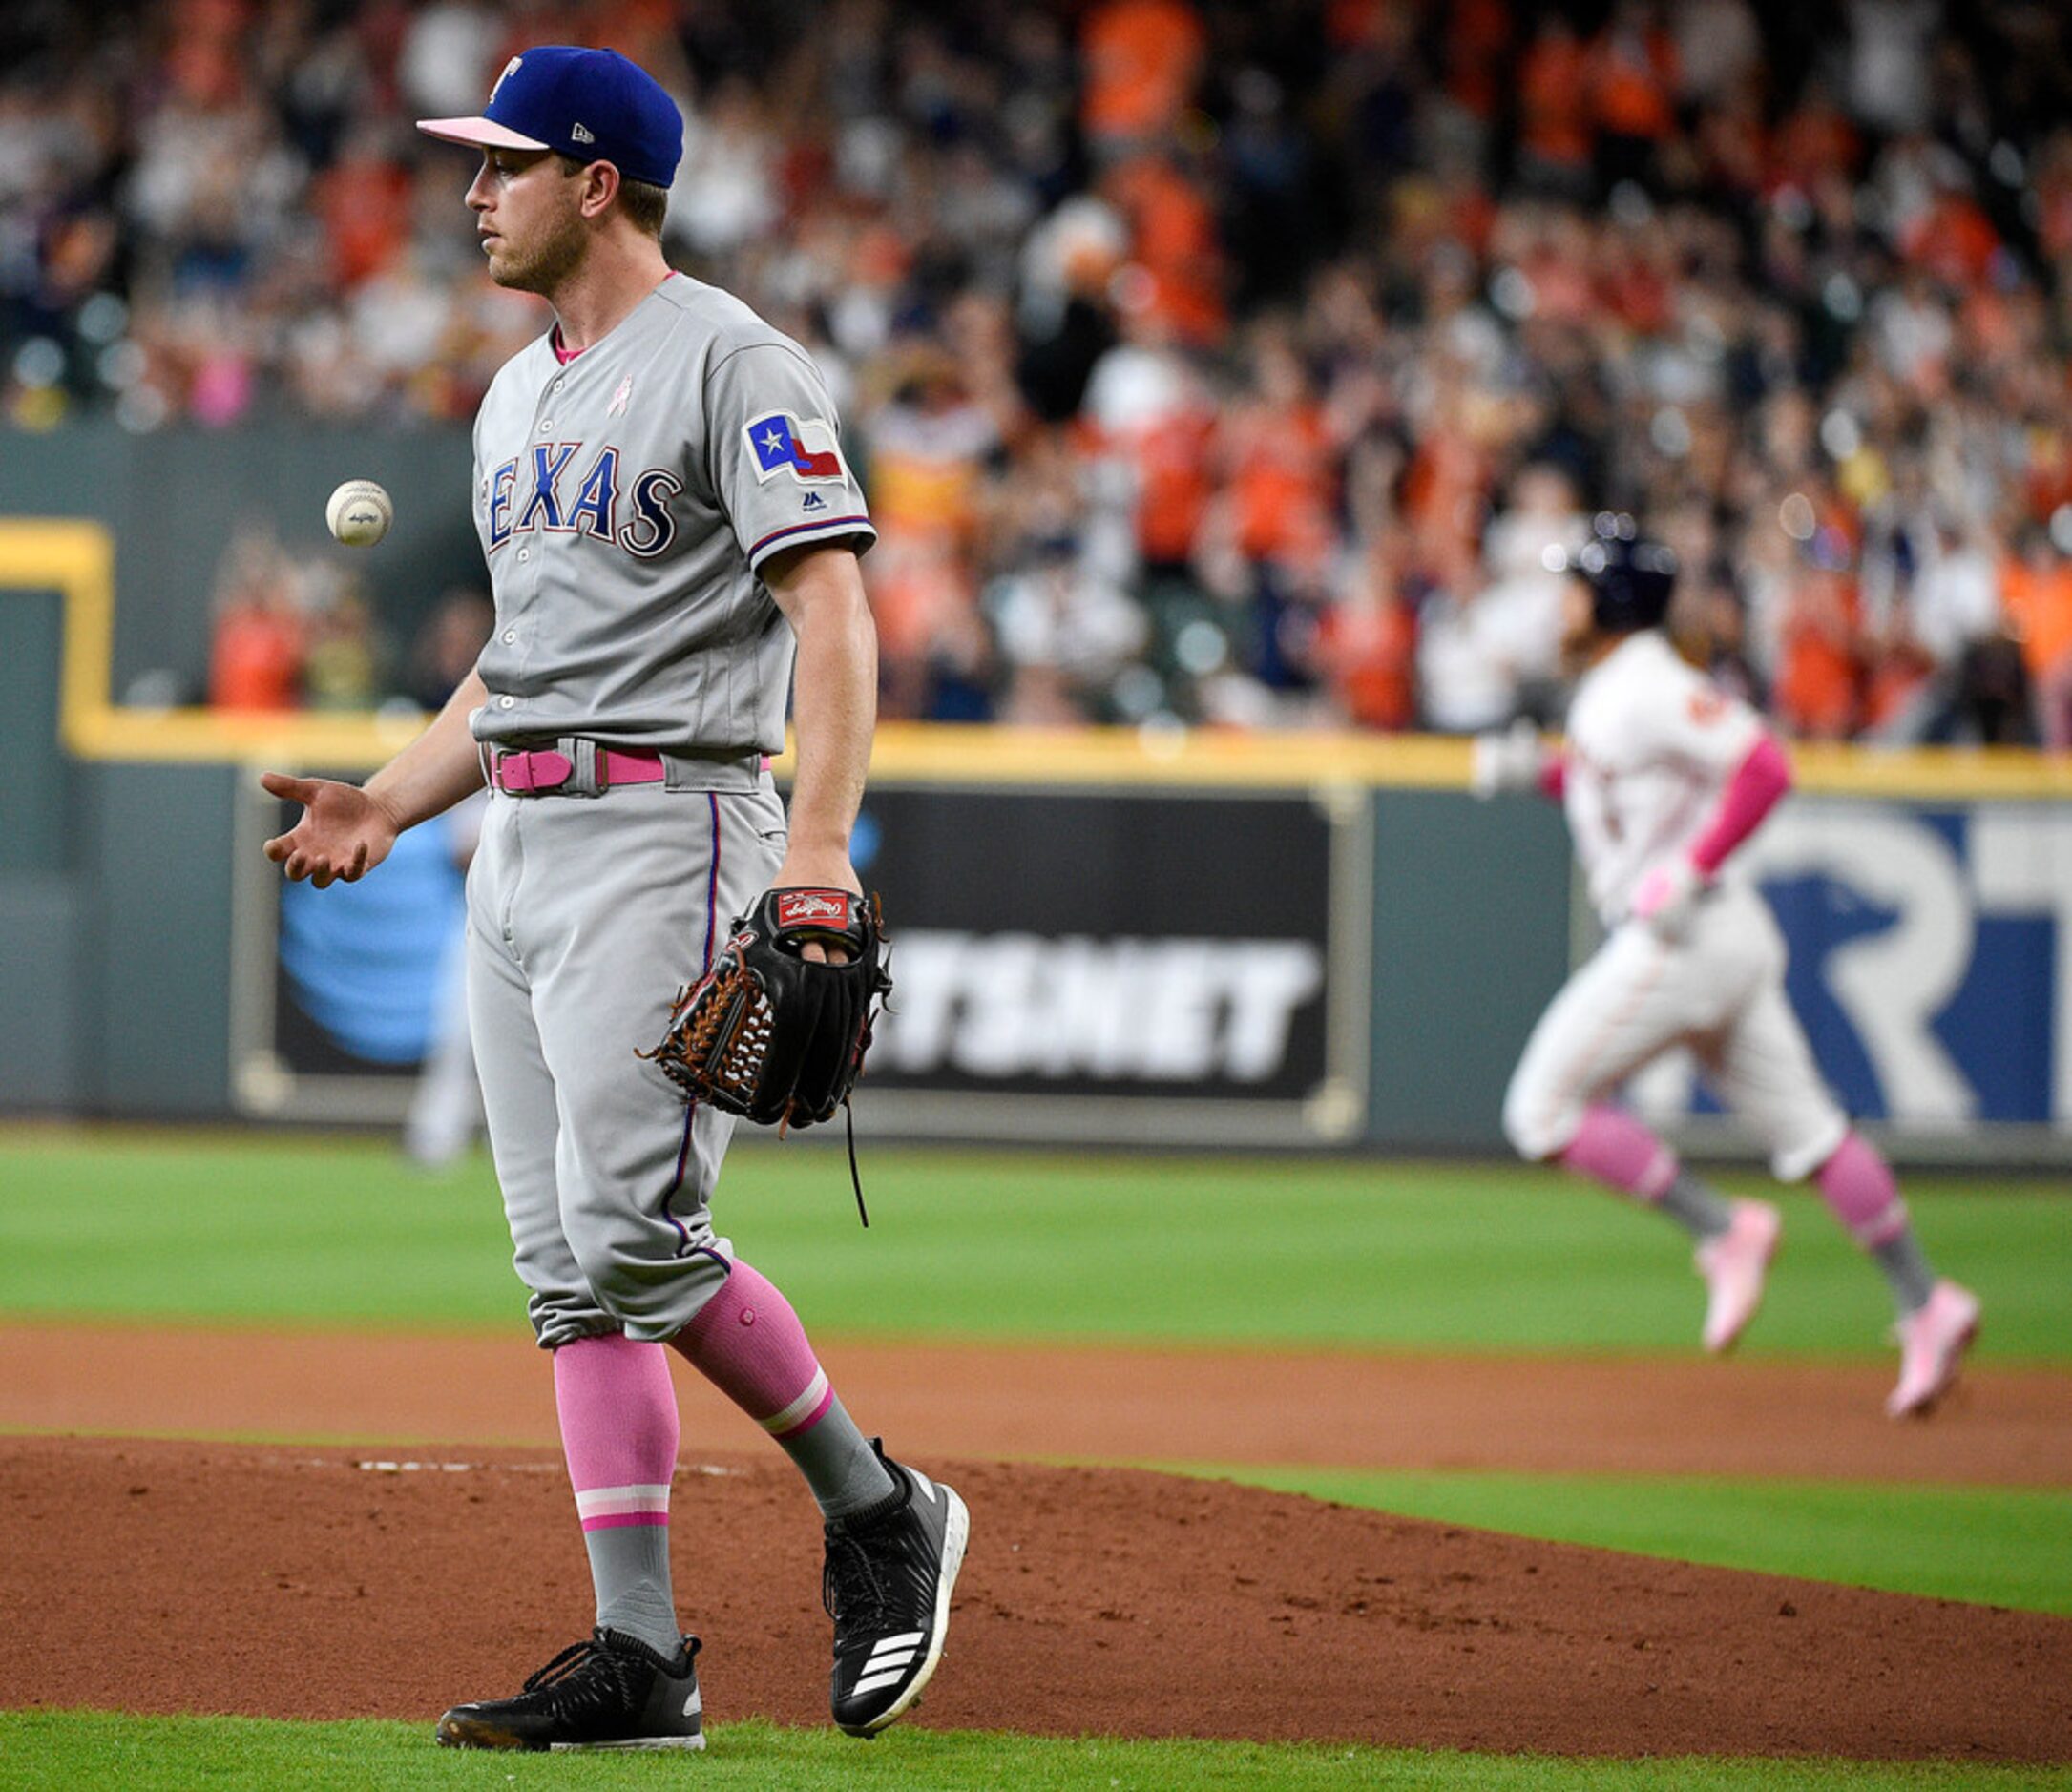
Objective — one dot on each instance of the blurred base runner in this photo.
(1663, 776)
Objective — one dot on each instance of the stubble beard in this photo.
(547, 266)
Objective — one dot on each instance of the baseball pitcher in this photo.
(1662, 778)
(669, 519)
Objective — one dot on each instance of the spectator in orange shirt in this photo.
(1632, 79)
(1173, 236)
(1554, 108)
(1818, 687)
(1477, 45)
(2035, 589)
(1143, 58)
(1281, 468)
(1814, 142)
(930, 448)
(256, 653)
(1367, 649)
(363, 201)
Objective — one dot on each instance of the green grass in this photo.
(268, 1228)
(322, 1230)
(1996, 1546)
(75, 1749)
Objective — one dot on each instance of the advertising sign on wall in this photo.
(1112, 965)
(341, 994)
(1098, 965)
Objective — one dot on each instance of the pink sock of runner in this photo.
(1612, 1147)
(748, 1342)
(1857, 1184)
(1858, 1187)
(619, 1431)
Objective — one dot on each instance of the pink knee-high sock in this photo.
(1857, 1184)
(1613, 1147)
(619, 1429)
(750, 1343)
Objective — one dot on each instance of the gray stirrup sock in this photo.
(629, 1567)
(839, 1464)
(1906, 1269)
(1697, 1209)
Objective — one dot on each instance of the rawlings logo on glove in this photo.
(806, 907)
(769, 1033)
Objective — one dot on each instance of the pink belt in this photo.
(542, 770)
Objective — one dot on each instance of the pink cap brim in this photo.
(481, 132)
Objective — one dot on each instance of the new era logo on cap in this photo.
(590, 104)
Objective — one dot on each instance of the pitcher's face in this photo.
(528, 219)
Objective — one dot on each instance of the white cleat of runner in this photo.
(1932, 1344)
(1734, 1266)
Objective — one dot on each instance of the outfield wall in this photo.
(1209, 939)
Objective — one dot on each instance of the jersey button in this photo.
(546, 426)
(525, 554)
(510, 635)
(505, 702)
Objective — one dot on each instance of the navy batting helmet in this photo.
(1630, 578)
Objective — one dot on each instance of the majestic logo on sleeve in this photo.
(803, 447)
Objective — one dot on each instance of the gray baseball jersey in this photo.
(626, 502)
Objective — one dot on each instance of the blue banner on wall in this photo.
(1931, 956)
(361, 965)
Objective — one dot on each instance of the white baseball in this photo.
(359, 514)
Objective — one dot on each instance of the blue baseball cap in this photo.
(590, 104)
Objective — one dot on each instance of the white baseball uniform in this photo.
(626, 501)
(1651, 746)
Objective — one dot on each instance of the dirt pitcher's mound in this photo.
(203, 1577)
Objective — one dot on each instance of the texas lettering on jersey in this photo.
(563, 503)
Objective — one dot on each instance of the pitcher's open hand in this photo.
(343, 833)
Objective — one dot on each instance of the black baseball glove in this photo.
(771, 1034)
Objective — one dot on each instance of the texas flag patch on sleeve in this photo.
(803, 447)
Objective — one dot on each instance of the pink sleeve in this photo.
(1750, 793)
(1553, 780)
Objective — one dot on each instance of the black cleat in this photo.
(608, 1691)
(887, 1586)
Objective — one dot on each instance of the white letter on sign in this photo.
(1269, 980)
(1892, 984)
(2021, 860)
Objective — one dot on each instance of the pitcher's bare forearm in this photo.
(438, 768)
(835, 709)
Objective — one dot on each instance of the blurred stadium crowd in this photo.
(1212, 361)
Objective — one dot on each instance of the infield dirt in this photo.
(1541, 1415)
(305, 1583)
(310, 1581)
